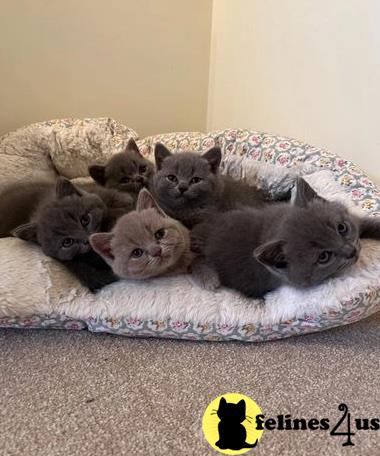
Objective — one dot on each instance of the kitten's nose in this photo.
(85, 241)
(155, 251)
(182, 187)
(139, 180)
(350, 251)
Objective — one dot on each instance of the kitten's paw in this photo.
(97, 283)
(205, 277)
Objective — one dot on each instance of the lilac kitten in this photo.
(145, 243)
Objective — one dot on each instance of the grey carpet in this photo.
(74, 393)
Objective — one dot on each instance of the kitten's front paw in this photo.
(97, 283)
(205, 277)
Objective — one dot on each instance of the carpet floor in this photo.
(76, 393)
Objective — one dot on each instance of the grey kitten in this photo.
(145, 243)
(60, 219)
(256, 251)
(61, 225)
(187, 186)
(22, 203)
(127, 171)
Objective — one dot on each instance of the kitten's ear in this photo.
(304, 193)
(160, 153)
(214, 157)
(64, 187)
(369, 228)
(133, 146)
(145, 200)
(241, 405)
(27, 232)
(101, 243)
(272, 256)
(98, 173)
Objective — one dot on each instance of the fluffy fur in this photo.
(127, 171)
(188, 186)
(62, 225)
(61, 220)
(145, 243)
(25, 203)
(302, 245)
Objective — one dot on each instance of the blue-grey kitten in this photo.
(126, 171)
(255, 251)
(188, 186)
(60, 218)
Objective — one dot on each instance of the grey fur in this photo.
(255, 251)
(177, 191)
(48, 213)
(127, 171)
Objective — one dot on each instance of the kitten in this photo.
(187, 186)
(20, 203)
(145, 243)
(127, 171)
(256, 251)
(62, 223)
(232, 433)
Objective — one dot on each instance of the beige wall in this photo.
(303, 68)
(143, 62)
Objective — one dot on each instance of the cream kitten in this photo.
(145, 243)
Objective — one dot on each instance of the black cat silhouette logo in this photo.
(229, 424)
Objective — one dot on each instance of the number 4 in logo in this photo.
(343, 408)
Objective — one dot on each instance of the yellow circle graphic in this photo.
(229, 424)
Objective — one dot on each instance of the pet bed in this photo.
(37, 292)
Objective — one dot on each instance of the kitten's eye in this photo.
(172, 178)
(142, 169)
(342, 228)
(324, 257)
(195, 180)
(124, 180)
(137, 253)
(68, 242)
(159, 234)
(85, 219)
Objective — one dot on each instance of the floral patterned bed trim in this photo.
(267, 148)
(353, 310)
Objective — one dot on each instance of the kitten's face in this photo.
(64, 226)
(229, 412)
(144, 243)
(186, 178)
(322, 241)
(127, 171)
(319, 239)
